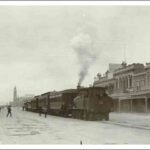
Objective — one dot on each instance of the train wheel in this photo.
(74, 114)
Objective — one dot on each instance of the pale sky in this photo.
(36, 54)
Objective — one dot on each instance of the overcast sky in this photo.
(36, 50)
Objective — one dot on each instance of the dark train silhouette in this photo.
(90, 103)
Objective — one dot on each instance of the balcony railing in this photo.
(123, 90)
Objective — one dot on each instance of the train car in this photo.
(34, 104)
(55, 103)
(92, 104)
(61, 102)
(68, 103)
(27, 106)
(43, 102)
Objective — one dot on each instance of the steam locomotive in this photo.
(90, 103)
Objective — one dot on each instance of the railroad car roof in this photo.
(36, 96)
(45, 93)
(90, 88)
(70, 91)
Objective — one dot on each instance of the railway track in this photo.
(128, 125)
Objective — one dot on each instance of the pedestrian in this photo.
(9, 111)
(0, 109)
(45, 111)
(40, 111)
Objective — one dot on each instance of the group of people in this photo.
(41, 110)
(9, 112)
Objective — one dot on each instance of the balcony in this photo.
(123, 90)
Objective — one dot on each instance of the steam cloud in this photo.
(83, 45)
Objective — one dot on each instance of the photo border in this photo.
(74, 3)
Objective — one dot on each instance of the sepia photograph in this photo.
(75, 75)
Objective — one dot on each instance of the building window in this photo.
(130, 84)
(142, 83)
(137, 86)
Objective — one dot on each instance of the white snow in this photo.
(138, 120)
(29, 128)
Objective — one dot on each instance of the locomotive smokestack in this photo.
(78, 86)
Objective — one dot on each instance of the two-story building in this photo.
(107, 79)
(141, 90)
(129, 87)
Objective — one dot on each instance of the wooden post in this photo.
(146, 83)
(118, 83)
(131, 104)
(146, 105)
(119, 105)
(128, 82)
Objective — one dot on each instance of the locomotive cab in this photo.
(92, 104)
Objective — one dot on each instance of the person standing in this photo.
(40, 111)
(45, 111)
(9, 111)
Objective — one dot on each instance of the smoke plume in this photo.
(83, 44)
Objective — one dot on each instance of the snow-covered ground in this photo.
(29, 128)
(135, 120)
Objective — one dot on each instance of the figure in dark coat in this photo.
(45, 111)
(9, 111)
(40, 111)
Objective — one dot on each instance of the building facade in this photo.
(129, 87)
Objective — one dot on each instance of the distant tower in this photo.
(15, 94)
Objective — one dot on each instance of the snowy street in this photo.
(132, 120)
(30, 128)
